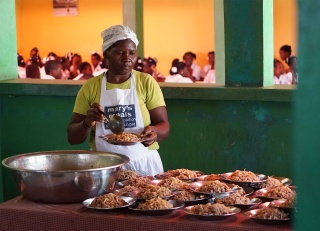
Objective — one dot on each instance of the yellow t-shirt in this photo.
(149, 95)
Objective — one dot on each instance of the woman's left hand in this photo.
(149, 135)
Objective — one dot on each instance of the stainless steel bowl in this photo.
(65, 176)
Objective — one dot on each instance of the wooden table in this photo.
(23, 214)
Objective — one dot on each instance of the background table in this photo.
(22, 214)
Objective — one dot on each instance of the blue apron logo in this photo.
(126, 112)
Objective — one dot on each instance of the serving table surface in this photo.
(23, 214)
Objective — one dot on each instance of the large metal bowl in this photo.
(65, 176)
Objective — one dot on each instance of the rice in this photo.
(271, 213)
(155, 204)
(210, 209)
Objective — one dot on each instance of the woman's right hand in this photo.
(94, 114)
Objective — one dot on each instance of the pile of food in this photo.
(156, 193)
(234, 199)
(124, 137)
(128, 174)
(152, 191)
(185, 195)
(281, 192)
(126, 190)
(181, 173)
(109, 200)
(243, 176)
(137, 181)
(271, 213)
(173, 183)
(210, 209)
(214, 187)
(155, 204)
(271, 182)
(289, 203)
(211, 177)
(239, 189)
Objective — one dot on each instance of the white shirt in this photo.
(283, 79)
(97, 70)
(47, 77)
(196, 71)
(22, 72)
(78, 77)
(177, 79)
(205, 70)
(210, 77)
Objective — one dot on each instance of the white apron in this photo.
(125, 103)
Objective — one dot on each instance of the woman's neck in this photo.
(117, 79)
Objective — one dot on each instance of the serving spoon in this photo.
(116, 123)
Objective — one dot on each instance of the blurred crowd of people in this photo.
(72, 67)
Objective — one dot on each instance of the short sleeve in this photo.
(87, 95)
(154, 96)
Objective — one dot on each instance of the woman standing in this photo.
(133, 95)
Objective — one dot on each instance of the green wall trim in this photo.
(139, 27)
(246, 48)
(279, 93)
(8, 41)
(268, 42)
(219, 41)
(306, 128)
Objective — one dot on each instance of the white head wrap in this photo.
(116, 33)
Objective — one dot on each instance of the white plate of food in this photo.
(156, 206)
(243, 177)
(151, 191)
(272, 181)
(108, 202)
(124, 139)
(182, 174)
(189, 197)
(279, 192)
(211, 211)
(268, 216)
(214, 188)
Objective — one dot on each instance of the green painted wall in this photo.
(248, 42)
(8, 43)
(306, 113)
(212, 129)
